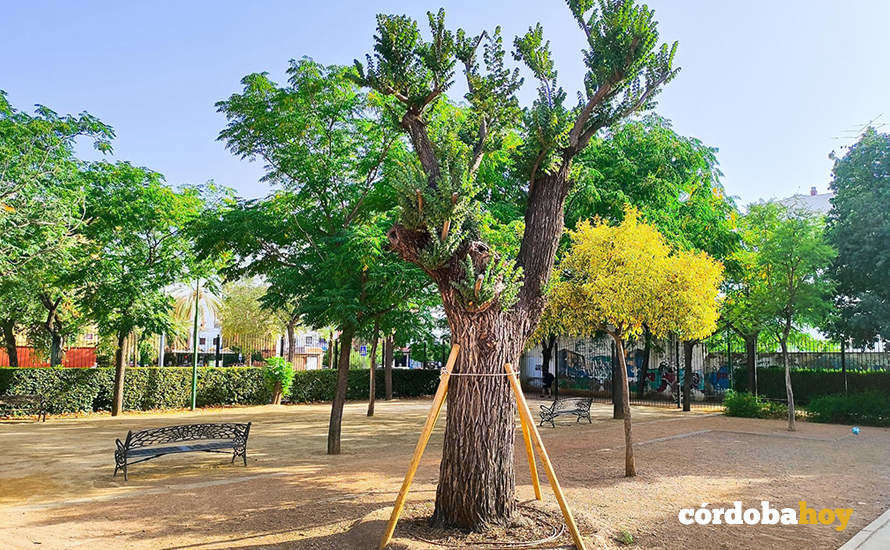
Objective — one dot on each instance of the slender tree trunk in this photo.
(12, 352)
(476, 477)
(630, 469)
(688, 348)
(387, 367)
(751, 358)
(117, 402)
(788, 391)
(617, 388)
(340, 393)
(643, 378)
(372, 390)
(291, 341)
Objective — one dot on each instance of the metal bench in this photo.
(210, 438)
(28, 403)
(578, 406)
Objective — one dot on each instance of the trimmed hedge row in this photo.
(867, 409)
(809, 384)
(79, 390)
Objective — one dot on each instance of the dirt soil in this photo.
(56, 489)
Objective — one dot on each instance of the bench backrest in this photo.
(186, 432)
(573, 403)
(25, 399)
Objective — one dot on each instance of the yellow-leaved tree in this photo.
(615, 279)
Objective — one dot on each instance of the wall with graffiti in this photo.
(585, 365)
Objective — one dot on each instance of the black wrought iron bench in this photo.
(27, 403)
(211, 438)
(578, 406)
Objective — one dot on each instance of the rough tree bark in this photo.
(630, 469)
(345, 341)
(53, 327)
(117, 402)
(8, 326)
(372, 389)
(688, 348)
(387, 367)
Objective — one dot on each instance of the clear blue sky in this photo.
(771, 83)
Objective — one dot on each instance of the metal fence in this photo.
(587, 366)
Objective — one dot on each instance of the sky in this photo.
(775, 86)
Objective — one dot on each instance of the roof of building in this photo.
(814, 202)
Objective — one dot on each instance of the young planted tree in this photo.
(616, 279)
(493, 302)
(136, 246)
(792, 258)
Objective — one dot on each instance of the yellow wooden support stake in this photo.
(542, 452)
(438, 400)
(536, 483)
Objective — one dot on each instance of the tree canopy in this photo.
(859, 228)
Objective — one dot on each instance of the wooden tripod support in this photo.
(529, 434)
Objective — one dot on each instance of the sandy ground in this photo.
(56, 489)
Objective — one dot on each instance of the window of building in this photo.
(309, 340)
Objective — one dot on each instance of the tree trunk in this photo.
(617, 397)
(642, 379)
(372, 390)
(476, 477)
(117, 402)
(387, 367)
(751, 359)
(688, 347)
(345, 341)
(9, 342)
(630, 469)
(291, 341)
(276, 394)
(788, 391)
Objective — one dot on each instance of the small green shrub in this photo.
(746, 405)
(868, 409)
(278, 372)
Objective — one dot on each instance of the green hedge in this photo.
(78, 390)
(319, 385)
(809, 384)
(868, 409)
(747, 405)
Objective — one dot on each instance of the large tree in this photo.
(136, 246)
(791, 258)
(493, 301)
(859, 228)
(617, 279)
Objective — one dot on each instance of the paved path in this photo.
(875, 536)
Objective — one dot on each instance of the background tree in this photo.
(674, 183)
(493, 302)
(323, 231)
(615, 279)
(246, 321)
(792, 257)
(859, 229)
(137, 247)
